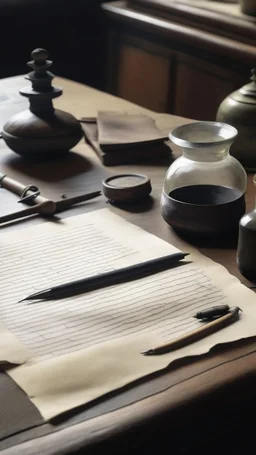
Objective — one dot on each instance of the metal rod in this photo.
(30, 194)
(44, 208)
(19, 188)
(63, 204)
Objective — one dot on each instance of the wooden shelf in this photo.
(225, 19)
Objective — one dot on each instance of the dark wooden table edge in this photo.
(235, 364)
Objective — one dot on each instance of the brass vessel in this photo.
(41, 130)
(239, 110)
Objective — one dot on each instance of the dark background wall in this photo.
(73, 32)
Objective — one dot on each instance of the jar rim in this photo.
(219, 134)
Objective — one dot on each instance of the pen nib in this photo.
(148, 352)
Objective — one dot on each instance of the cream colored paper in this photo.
(12, 350)
(89, 345)
(72, 249)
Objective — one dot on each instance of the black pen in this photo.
(122, 275)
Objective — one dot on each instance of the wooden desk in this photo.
(197, 399)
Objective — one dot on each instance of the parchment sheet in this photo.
(88, 345)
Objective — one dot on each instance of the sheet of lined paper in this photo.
(83, 246)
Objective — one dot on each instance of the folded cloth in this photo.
(124, 154)
(117, 129)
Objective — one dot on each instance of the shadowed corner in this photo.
(140, 206)
(48, 167)
(220, 241)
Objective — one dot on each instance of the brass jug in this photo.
(239, 110)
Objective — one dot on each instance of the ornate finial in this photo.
(41, 93)
(39, 55)
(41, 129)
(40, 64)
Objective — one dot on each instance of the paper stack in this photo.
(121, 138)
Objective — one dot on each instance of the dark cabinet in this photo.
(187, 70)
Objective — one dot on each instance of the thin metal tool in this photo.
(44, 208)
(64, 204)
(30, 194)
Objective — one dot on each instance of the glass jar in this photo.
(204, 189)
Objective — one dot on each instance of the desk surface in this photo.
(215, 385)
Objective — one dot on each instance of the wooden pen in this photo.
(197, 334)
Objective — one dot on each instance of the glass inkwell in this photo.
(204, 189)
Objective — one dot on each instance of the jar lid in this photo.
(247, 93)
(126, 187)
